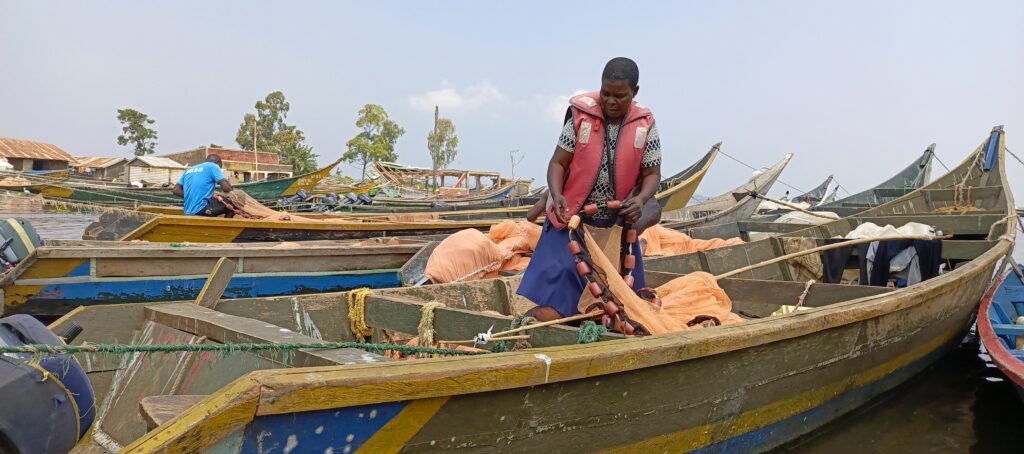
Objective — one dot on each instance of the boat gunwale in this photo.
(1010, 365)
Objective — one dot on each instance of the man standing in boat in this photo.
(609, 150)
(197, 184)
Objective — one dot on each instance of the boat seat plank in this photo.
(977, 193)
(956, 224)
(1004, 329)
(157, 410)
(403, 315)
(221, 327)
(955, 249)
(778, 293)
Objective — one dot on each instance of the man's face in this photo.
(616, 97)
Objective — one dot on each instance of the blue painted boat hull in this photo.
(59, 299)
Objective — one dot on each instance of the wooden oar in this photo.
(740, 195)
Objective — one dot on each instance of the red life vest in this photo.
(589, 122)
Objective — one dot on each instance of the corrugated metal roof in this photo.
(96, 162)
(17, 148)
(154, 161)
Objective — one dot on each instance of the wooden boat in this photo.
(676, 191)
(325, 187)
(820, 194)
(910, 178)
(494, 193)
(121, 194)
(717, 217)
(999, 329)
(196, 229)
(745, 387)
(61, 275)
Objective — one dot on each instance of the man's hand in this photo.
(631, 210)
(561, 208)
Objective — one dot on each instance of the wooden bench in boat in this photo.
(220, 327)
(724, 259)
(957, 224)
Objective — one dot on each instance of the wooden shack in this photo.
(152, 170)
(27, 155)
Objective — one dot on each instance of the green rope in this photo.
(589, 332)
(503, 346)
(39, 349)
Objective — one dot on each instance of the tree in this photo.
(376, 141)
(442, 143)
(273, 135)
(136, 132)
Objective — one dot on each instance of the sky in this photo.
(855, 89)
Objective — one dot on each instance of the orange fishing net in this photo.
(470, 255)
(683, 299)
(660, 240)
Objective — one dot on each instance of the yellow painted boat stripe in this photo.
(18, 230)
(701, 436)
(397, 432)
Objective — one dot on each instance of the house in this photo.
(26, 155)
(153, 170)
(240, 165)
(98, 167)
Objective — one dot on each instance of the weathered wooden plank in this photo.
(963, 224)
(976, 193)
(320, 316)
(157, 410)
(219, 279)
(780, 293)
(769, 227)
(115, 249)
(270, 264)
(403, 314)
(1008, 330)
(413, 270)
(153, 266)
(683, 263)
(224, 328)
(955, 249)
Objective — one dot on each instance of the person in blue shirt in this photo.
(196, 187)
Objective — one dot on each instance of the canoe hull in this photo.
(38, 297)
(740, 398)
(1000, 306)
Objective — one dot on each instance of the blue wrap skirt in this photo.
(551, 278)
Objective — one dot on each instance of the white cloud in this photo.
(554, 110)
(451, 98)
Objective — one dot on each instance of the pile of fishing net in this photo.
(691, 301)
(470, 254)
(658, 240)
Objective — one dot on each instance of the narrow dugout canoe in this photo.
(1000, 333)
(717, 217)
(61, 275)
(745, 387)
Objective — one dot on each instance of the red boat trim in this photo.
(1011, 366)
